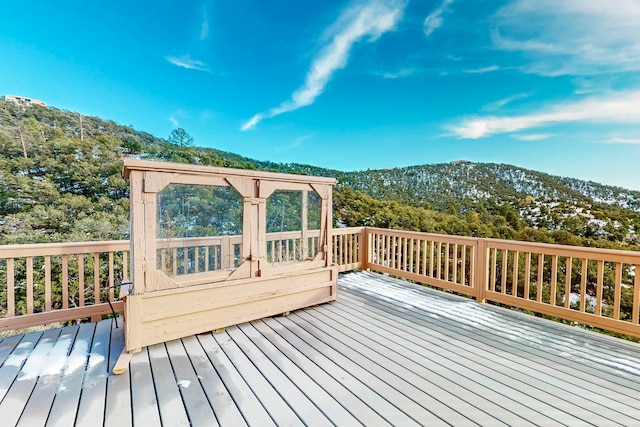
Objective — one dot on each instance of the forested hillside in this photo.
(61, 180)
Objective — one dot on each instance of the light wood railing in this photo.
(595, 287)
(48, 283)
(447, 262)
(347, 248)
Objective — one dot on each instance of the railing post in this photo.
(365, 244)
(480, 273)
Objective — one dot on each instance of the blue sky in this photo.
(543, 84)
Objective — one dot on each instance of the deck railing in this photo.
(57, 282)
(48, 283)
(596, 287)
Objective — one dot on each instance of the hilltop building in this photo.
(24, 101)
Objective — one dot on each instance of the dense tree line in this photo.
(61, 180)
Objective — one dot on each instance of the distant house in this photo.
(24, 101)
(461, 162)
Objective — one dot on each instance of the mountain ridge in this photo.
(61, 171)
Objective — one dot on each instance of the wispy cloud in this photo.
(176, 116)
(434, 20)
(504, 101)
(571, 37)
(204, 29)
(364, 20)
(532, 136)
(483, 70)
(296, 143)
(398, 74)
(619, 107)
(621, 140)
(185, 61)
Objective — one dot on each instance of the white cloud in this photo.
(204, 29)
(483, 70)
(296, 143)
(619, 107)
(434, 20)
(174, 121)
(571, 37)
(364, 20)
(621, 140)
(504, 101)
(532, 136)
(398, 74)
(185, 61)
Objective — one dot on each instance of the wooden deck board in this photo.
(247, 402)
(221, 401)
(566, 387)
(330, 407)
(14, 362)
(17, 397)
(94, 385)
(574, 391)
(41, 399)
(65, 405)
(295, 399)
(172, 410)
(143, 394)
(118, 405)
(346, 396)
(413, 399)
(193, 396)
(353, 376)
(387, 352)
(276, 406)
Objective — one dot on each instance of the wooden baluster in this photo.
(505, 260)
(174, 261)
(599, 288)
(439, 266)
(583, 285)
(481, 280)
(81, 280)
(446, 263)
(125, 265)
(617, 293)
(494, 263)
(424, 258)
(636, 295)
(540, 277)
(96, 277)
(29, 285)
(431, 266)
(463, 267)
(65, 281)
(185, 260)
(11, 295)
(454, 273)
(554, 279)
(514, 282)
(527, 276)
(47, 283)
(567, 282)
(112, 277)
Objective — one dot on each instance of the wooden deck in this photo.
(387, 353)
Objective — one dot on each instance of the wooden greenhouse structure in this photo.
(213, 247)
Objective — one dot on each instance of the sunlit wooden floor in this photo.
(387, 353)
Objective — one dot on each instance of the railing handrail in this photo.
(67, 248)
(502, 243)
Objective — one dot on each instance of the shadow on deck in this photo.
(387, 352)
